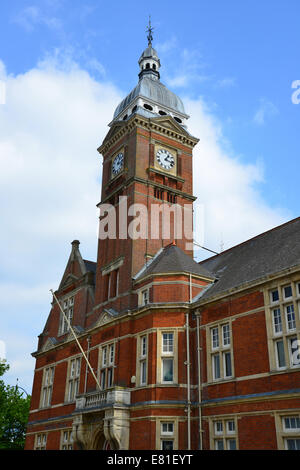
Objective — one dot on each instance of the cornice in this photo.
(149, 124)
(246, 286)
(137, 179)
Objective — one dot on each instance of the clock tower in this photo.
(147, 185)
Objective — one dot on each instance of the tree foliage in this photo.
(14, 409)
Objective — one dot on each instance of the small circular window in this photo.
(177, 119)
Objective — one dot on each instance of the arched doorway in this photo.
(110, 445)
(101, 443)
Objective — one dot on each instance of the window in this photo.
(218, 427)
(73, 379)
(291, 423)
(67, 305)
(220, 352)
(167, 363)
(167, 435)
(216, 366)
(288, 430)
(158, 194)
(283, 326)
(177, 119)
(215, 337)
(117, 278)
(167, 370)
(145, 297)
(142, 360)
(280, 356)
(292, 444)
(287, 292)
(226, 334)
(167, 428)
(290, 317)
(223, 434)
(47, 386)
(168, 341)
(66, 440)
(167, 357)
(107, 363)
(230, 427)
(274, 295)
(40, 441)
(227, 364)
(107, 286)
(294, 351)
(171, 198)
(277, 323)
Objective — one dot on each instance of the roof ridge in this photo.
(252, 238)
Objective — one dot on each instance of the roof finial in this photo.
(149, 30)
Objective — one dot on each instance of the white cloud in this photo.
(50, 128)
(266, 109)
(226, 82)
(54, 119)
(32, 16)
(228, 188)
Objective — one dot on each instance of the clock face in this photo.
(165, 159)
(117, 164)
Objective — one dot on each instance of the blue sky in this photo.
(66, 65)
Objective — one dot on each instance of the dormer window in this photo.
(177, 119)
(68, 305)
(144, 297)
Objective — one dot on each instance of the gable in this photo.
(75, 267)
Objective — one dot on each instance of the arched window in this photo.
(147, 66)
(154, 67)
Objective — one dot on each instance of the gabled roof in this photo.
(76, 266)
(90, 266)
(269, 253)
(172, 259)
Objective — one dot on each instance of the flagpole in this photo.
(75, 337)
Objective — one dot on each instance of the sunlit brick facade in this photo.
(187, 355)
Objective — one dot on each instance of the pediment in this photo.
(116, 127)
(50, 343)
(105, 317)
(77, 331)
(70, 278)
(170, 123)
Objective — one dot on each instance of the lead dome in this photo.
(150, 97)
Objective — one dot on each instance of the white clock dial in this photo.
(165, 159)
(118, 164)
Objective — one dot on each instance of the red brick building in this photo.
(186, 355)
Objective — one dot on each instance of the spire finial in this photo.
(149, 30)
